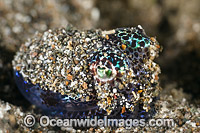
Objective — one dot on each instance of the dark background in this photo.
(176, 24)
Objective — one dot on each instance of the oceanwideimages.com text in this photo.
(46, 121)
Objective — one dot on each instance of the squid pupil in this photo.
(101, 68)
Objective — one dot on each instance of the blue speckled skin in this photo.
(128, 38)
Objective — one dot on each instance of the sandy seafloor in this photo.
(176, 24)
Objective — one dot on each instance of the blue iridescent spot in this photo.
(142, 116)
(17, 74)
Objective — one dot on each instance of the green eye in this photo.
(108, 73)
(103, 72)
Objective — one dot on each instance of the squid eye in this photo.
(104, 72)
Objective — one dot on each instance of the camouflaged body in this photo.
(113, 68)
